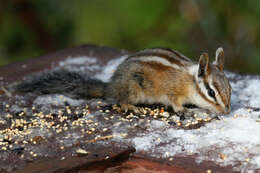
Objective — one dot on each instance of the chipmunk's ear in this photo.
(203, 65)
(219, 61)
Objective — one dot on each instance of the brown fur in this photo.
(157, 82)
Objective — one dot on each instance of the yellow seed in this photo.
(81, 151)
(222, 156)
(105, 129)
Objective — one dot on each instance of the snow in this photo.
(80, 63)
(234, 138)
(57, 100)
(109, 69)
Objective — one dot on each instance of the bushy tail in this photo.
(73, 84)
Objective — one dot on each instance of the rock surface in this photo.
(55, 133)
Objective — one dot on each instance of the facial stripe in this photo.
(201, 98)
(202, 85)
(208, 88)
(221, 96)
(203, 95)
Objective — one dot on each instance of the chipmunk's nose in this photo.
(227, 109)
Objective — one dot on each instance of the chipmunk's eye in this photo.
(211, 92)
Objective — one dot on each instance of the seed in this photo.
(105, 129)
(222, 156)
(81, 151)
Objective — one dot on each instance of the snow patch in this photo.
(57, 100)
(80, 63)
(109, 69)
(234, 138)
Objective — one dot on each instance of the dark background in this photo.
(29, 28)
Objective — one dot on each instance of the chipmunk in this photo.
(154, 75)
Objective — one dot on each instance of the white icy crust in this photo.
(81, 63)
(234, 140)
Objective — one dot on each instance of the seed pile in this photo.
(20, 127)
(166, 115)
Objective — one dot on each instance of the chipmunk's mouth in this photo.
(190, 106)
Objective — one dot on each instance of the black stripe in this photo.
(208, 88)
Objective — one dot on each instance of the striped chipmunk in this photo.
(155, 75)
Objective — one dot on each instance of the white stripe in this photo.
(155, 59)
(216, 93)
(193, 69)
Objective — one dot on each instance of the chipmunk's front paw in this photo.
(180, 113)
(129, 107)
(179, 110)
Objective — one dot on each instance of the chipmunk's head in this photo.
(212, 84)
